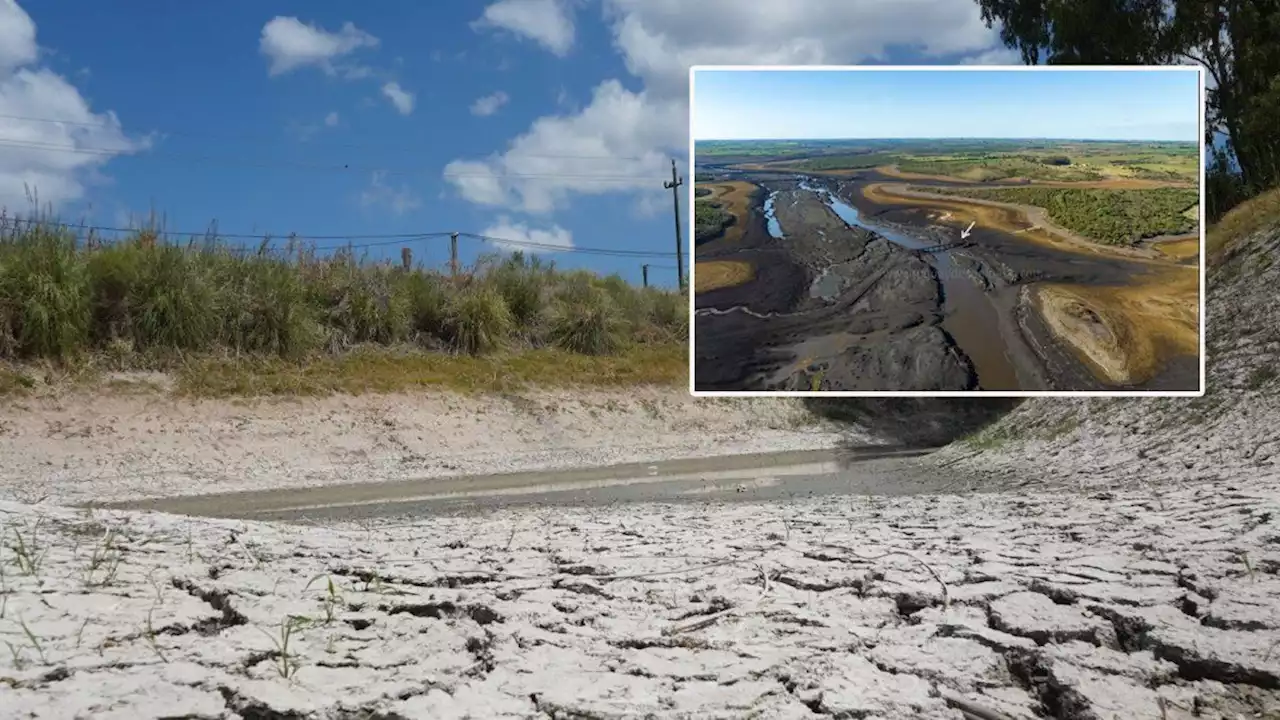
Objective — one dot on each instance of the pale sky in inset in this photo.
(1156, 104)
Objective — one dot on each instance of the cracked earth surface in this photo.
(1125, 604)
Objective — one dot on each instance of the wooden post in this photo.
(406, 258)
(674, 187)
(453, 255)
(644, 273)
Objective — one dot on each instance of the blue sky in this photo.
(1158, 104)
(553, 121)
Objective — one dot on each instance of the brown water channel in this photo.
(970, 315)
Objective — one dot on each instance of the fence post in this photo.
(406, 258)
(644, 273)
(453, 255)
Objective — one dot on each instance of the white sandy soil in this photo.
(75, 448)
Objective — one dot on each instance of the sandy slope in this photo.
(1233, 432)
(76, 448)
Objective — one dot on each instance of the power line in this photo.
(371, 240)
(561, 248)
(273, 139)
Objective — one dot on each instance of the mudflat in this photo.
(863, 282)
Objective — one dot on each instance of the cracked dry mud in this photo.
(1130, 604)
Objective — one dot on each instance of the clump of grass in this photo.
(141, 301)
(44, 295)
(588, 323)
(521, 282)
(477, 319)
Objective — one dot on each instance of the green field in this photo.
(979, 160)
(1112, 217)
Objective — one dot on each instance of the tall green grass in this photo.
(141, 297)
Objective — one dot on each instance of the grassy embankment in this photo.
(222, 321)
(1110, 217)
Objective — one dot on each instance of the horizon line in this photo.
(953, 137)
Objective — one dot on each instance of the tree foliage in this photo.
(1236, 41)
(1111, 217)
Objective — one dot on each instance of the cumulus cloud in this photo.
(290, 44)
(400, 98)
(547, 22)
(509, 235)
(53, 159)
(398, 199)
(489, 104)
(637, 131)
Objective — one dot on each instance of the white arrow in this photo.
(964, 234)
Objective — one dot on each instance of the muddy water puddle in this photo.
(970, 316)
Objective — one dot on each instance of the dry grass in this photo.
(716, 274)
(1242, 220)
(386, 371)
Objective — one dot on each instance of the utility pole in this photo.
(644, 273)
(673, 186)
(453, 255)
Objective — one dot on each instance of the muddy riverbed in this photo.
(853, 295)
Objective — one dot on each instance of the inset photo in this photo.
(947, 231)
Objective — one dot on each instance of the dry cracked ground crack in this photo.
(1076, 607)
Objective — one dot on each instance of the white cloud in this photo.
(547, 22)
(290, 44)
(332, 119)
(510, 235)
(489, 104)
(54, 159)
(399, 97)
(17, 37)
(636, 132)
(399, 200)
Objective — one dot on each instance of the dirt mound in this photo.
(1233, 430)
(925, 422)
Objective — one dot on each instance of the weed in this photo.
(27, 553)
(286, 662)
(152, 637)
(104, 562)
(332, 599)
(35, 641)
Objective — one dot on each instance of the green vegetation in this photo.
(142, 303)
(1112, 217)
(981, 160)
(710, 220)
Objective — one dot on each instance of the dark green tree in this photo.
(1236, 41)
